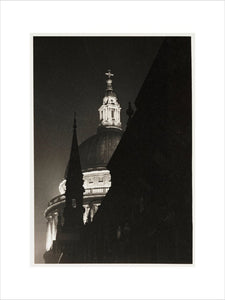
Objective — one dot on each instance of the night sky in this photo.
(69, 75)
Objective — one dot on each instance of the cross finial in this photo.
(109, 74)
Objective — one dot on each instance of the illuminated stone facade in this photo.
(95, 154)
(96, 185)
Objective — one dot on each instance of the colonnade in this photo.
(52, 221)
(106, 116)
(90, 209)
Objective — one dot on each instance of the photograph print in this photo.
(112, 149)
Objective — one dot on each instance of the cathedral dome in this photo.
(97, 150)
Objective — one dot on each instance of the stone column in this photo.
(49, 234)
(85, 216)
(117, 116)
(106, 115)
(94, 209)
(54, 225)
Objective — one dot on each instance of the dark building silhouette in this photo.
(146, 216)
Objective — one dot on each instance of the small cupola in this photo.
(109, 112)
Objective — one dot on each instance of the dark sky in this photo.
(69, 75)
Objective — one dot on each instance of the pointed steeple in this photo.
(109, 112)
(70, 235)
(67, 241)
(74, 180)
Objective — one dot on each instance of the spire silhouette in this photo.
(74, 179)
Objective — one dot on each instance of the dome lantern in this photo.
(109, 112)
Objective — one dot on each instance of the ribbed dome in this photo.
(97, 150)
